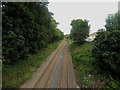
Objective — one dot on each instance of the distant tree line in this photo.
(26, 28)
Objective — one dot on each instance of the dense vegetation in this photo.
(106, 50)
(107, 46)
(14, 76)
(27, 27)
(97, 64)
(87, 72)
(29, 35)
(79, 31)
(113, 22)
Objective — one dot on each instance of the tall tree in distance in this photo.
(113, 22)
(80, 30)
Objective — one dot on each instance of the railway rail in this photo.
(59, 73)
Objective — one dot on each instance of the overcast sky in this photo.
(95, 12)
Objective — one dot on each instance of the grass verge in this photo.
(15, 75)
(89, 75)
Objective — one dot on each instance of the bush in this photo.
(15, 51)
(107, 50)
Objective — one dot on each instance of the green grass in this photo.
(15, 75)
(88, 74)
(83, 64)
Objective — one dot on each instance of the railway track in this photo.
(59, 72)
(43, 81)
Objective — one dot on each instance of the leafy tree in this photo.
(27, 27)
(113, 22)
(79, 31)
(106, 48)
(12, 40)
(57, 33)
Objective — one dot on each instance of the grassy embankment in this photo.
(89, 75)
(15, 75)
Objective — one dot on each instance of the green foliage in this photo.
(67, 36)
(79, 31)
(88, 73)
(113, 84)
(13, 43)
(14, 76)
(113, 22)
(106, 50)
(58, 34)
(106, 45)
(27, 27)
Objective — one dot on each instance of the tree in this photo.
(106, 48)
(113, 22)
(27, 27)
(80, 30)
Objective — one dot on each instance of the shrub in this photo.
(18, 52)
(107, 50)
